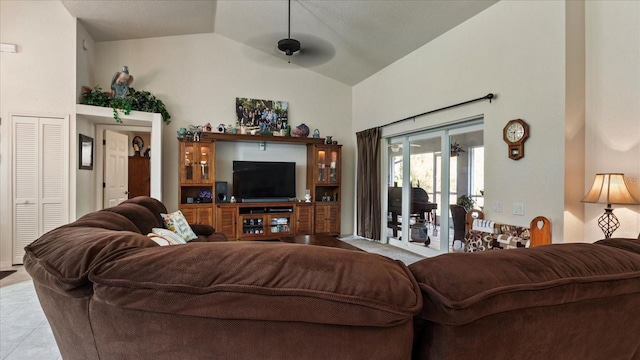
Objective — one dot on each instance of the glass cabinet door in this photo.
(334, 172)
(204, 165)
(321, 156)
(328, 162)
(189, 160)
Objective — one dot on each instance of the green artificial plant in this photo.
(136, 100)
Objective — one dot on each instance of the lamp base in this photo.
(608, 222)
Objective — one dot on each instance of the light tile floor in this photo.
(25, 333)
(24, 330)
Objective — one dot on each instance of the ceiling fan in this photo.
(306, 50)
(289, 46)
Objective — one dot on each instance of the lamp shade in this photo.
(609, 189)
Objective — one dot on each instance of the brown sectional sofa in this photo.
(564, 301)
(111, 293)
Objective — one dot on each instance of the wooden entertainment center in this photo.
(259, 221)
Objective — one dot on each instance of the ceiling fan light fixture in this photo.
(289, 46)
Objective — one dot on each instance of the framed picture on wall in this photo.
(86, 152)
(269, 115)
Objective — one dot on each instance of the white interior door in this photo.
(25, 184)
(116, 169)
(41, 165)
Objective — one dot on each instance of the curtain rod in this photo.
(489, 96)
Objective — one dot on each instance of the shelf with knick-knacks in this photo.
(323, 181)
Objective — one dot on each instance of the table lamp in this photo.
(609, 189)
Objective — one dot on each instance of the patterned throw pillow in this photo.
(165, 237)
(179, 225)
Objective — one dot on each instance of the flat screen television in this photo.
(268, 181)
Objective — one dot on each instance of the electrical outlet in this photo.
(497, 206)
(518, 209)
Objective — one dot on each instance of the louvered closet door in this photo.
(39, 187)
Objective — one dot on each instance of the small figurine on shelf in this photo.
(147, 153)
(207, 127)
(196, 131)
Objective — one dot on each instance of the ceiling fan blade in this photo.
(314, 51)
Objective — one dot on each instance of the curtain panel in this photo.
(368, 184)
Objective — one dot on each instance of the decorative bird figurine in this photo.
(120, 82)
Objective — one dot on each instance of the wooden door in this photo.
(226, 221)
(204, 215)
(321, 217)
(327, 218)
(115, 168)
(334, 219)
(304, 219)
(139, 176)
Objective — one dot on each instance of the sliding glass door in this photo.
(427, 172)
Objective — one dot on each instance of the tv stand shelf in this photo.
(257, 208)
(262, 221)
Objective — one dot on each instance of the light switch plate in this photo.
(518, 209)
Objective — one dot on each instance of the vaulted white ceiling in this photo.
(346, 40)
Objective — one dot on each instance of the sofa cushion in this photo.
(261, 281)
(177, 223)
(632, 245)
(142, 217)
(460, 288)
(154, 205)
(62, 258)
(105, 220)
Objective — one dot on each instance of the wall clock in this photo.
(515, 133)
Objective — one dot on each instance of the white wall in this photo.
(38, 79)
(198, 77)
(613, 106)
(513, 49)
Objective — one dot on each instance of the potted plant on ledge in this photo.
(135, 100)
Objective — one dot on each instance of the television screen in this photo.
(264, 180)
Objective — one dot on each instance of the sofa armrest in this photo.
(206, 233)
(202, 229)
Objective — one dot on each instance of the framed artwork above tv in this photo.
(267, 115)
